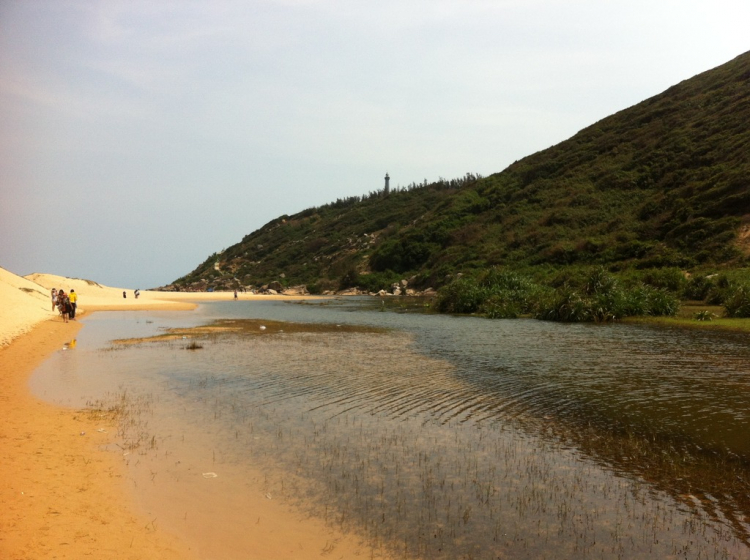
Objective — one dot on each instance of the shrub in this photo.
(401, 255)
(322, 285)
(703, 315)
(586, 295)
(609, 303)
(671, 278)
(376, 281)
(697, 288)
(498, 307)
(314, 289)
(563, 305)
(463, 295)
(662, 303)
(600, 281)
(636, 302)
(607, 306)
(518, 292)
(495, 293)
(720, 290)
(350, 279)
(737, 303)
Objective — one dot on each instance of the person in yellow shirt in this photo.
(73, 303)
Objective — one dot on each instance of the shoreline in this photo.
(27, 300)
(64, 495)
(61, 495)
(685, 319)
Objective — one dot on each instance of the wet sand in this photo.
(64, 495)
(60, 495)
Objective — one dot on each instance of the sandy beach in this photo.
(61, 494)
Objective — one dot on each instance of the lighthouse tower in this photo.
(387, 188)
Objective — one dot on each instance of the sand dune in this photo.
(27, 300)
(93, 296)
(25, 304)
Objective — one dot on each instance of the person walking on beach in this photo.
(54, 298)
(63, 303)
(73, 297)
(235, 294)
(58, 300)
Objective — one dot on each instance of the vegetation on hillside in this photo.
(661, 186)
(328, 247)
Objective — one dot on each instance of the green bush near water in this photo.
(376, 281)
(737, 303)
(697, 288)
(603, 299)
(463, 295)
(596, 298)
(495, 293)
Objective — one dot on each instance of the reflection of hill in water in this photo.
(450, 437)
(671, 407)
(717, 482)
(637, 401)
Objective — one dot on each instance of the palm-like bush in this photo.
(599, 298)
(737, 303)
(463, 295)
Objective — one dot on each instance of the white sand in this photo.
(27, 301)
(24, 304)
(95, 296)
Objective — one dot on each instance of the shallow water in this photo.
(443, 437)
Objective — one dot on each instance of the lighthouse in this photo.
(387, 188)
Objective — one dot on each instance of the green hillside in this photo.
(323, 246)
(665, 183)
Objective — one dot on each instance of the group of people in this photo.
(65, 303)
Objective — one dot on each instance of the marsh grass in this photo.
(247, 327)
(130, 413)
(426, 490)
(353, 426)
(372, 450)
(686, 318)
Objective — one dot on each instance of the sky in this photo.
(139, 137)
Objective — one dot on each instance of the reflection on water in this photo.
(464, 438)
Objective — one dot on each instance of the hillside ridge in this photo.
(664, 183)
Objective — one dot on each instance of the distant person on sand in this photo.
(235, 294)
(124, 295)
(54, 298)
(73, 297)
(136, 293)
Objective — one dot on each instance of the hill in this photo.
(665, 183)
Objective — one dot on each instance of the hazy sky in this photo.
(137, 138)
